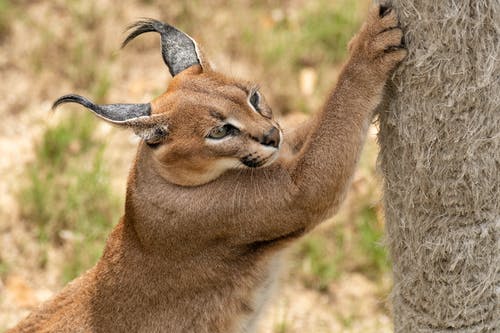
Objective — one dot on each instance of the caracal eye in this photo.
(218, 132)
(254, 100)
(223, 131)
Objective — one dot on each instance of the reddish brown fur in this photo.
(198, 258)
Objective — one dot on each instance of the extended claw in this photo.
(384, 10)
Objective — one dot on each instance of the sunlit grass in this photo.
(4, 268)
(7, 9)
(370, 232)
(319, 34)
(85, 56)
(314, 36)
(282, 323)
(68, 198)
(352, 241)
(321, 263)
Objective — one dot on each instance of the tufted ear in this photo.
(137, 116)
(179, 51)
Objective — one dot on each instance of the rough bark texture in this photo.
(440, 157)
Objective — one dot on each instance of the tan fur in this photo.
(194, 258)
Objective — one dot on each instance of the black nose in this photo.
(271, 138)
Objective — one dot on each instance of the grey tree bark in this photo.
(440, 158)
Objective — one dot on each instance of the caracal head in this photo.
(204, 124)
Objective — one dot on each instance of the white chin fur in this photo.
(271, 159)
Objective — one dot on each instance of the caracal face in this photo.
(214, 124)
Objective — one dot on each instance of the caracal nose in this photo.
(271, 138)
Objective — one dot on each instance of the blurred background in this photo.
(63, 174)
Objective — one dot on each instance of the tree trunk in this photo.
(440, 158)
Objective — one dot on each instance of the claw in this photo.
(384, 10)
(393, 48)
(389, 29)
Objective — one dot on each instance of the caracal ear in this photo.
(179, 50)
(152, 129)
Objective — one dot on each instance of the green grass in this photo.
(352, 241)
(343, 247)
(315, 35)
(83, 57)
(4, 268)
(281, 327)
(7, 9)
(282, 324)
(370, 233)
(68, 193)
(327, 30)
(87, 66)
(319, 35)
(68, 200)
(321, 260)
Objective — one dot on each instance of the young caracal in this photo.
(217, 190)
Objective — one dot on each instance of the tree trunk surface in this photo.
(440, 158)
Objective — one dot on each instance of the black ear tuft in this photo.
(124, 114)
(179, 51)
(72, 98)
(140, 27)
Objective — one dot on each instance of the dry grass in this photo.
(60, 175)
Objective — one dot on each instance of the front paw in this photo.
(379, 43)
